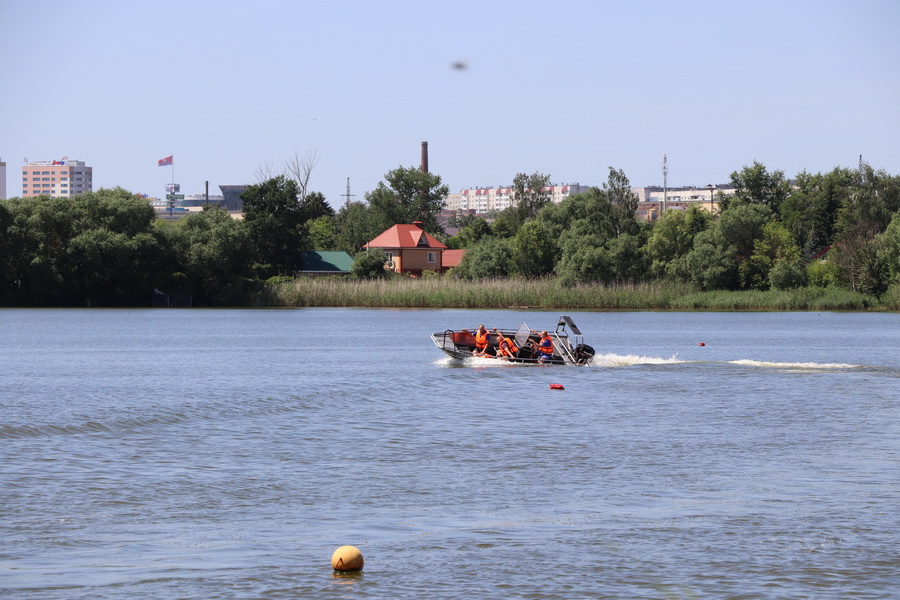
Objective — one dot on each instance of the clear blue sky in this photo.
(564, 88)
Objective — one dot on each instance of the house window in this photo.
(432, 257)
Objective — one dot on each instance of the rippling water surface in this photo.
(227, 453)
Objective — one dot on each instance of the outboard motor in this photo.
(583, 354)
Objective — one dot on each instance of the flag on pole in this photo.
(164, 162)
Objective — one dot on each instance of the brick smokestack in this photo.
(424, 157)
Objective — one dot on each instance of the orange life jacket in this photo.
(507, 347)
(546, 345)
(481, 339)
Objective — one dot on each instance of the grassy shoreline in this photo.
(437, 292)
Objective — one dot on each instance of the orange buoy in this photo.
(556, 386)
(347, 558)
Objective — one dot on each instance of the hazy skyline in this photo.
(566, 89)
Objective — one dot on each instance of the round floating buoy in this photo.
(556, 386)
(347, 558)
(701, 344)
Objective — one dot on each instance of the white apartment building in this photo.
(485, 200)
(57, 178)
(679, 196)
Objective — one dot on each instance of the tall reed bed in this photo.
(437, 292)
(440, 292)
(809, 298)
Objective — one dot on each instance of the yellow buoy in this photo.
(347, 558)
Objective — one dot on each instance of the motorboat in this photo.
(568, 344)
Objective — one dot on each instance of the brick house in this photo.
(410, 249)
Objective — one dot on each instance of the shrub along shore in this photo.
(549, 293)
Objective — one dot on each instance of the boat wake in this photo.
(618, 360)
(810, 366)
(629, 360)
(599, 360)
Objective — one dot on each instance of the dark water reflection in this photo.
(226, 454)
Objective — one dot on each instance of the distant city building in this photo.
(2, 180)
(232, 197)
(653, 200)
(485, 200)
(57, 178)
(202, 200)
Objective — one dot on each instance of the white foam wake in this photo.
(791, 365)
(476, 361)
(618, 360)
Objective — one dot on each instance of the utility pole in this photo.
(665, 171)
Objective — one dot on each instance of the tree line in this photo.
(107, 248)
(840, 228)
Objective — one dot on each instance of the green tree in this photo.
(370, 264)
(810, 211)
(108, 268)
(215, 253)
(313, 205)
(755, 185)
(530, 193)
(775, 261)
(7, 265)
(275, 221)
(673, 235)
(487, 259)
(506, 223)
(39, 232)
(628, 258)
(410, 195)
(859, 262)
(475, 231)
(321, 233)
(95, 249)
(868, 209)
(864, 215)
(534, 252)
(585, 259)
(354, 227)
(888, 249)
(623, 200)
(711, 264)
(740, 226)
(718, 259)
(588, 258)
(589, 213)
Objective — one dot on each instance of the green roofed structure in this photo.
(324, 262)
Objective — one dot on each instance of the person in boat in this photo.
(545, 348)
(482, 340)
(506, 348)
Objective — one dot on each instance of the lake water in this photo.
(206, 454)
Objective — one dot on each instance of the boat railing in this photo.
(565, 349)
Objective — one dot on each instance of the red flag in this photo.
(164, 162)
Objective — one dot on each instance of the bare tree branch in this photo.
(264, 171)
(300, 169)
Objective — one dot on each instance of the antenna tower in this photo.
(665, 171)
(348, 195)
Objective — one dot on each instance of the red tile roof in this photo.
(451, 258)
(404, 236)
